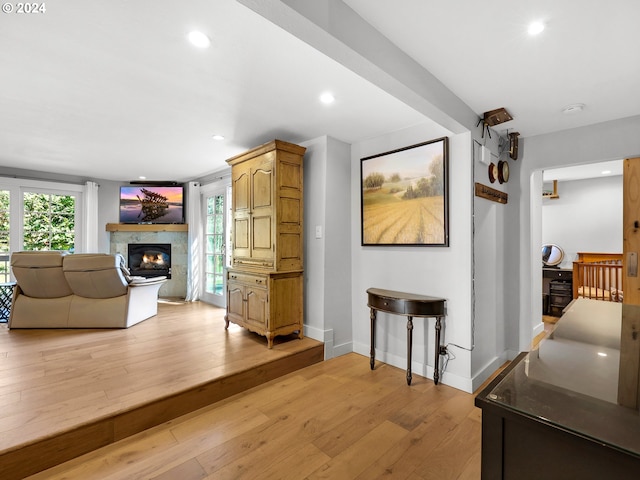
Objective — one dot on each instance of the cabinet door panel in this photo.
(241, 232)
(240, 235)
(262, 189)
(286, 298)
(262, 233)
(289, 245)
(290, 175)
(235, 302)
(290, 211)
(241, 197)
(257, 307)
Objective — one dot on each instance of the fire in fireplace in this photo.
(149, 259)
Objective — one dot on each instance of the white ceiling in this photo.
(112, 90)
(581, 172)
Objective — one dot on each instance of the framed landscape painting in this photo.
(404, 198)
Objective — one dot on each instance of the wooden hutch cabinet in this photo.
(265, 284)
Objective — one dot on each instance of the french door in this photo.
(216, 243)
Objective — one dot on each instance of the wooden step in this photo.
(172, 364)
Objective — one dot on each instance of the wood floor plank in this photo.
(402, 459)
(190, 469)
(358, 456)
(115, 382)
(301, 462)
(456, 450)
(110, 463)
(272, 431)
(294, 426)
(334, 419)
(355, 427)
(152, 463)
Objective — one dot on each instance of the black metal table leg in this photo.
(372, 315)
(436, 367)
(409, 347)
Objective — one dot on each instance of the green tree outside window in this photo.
(49, 221)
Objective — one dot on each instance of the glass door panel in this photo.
(215, 246)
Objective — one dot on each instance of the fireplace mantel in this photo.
(158, 227)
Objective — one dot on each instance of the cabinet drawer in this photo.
(246, 262)
(557, 274)
(247, 278)
(386, 304)
(562, 300)
(560, 287)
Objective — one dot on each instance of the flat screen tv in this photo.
(151, 204)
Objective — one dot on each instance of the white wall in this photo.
(613, 140)
(315, 160)
(108, 211)
(337, 234)
(594, 208)
(327, 275)
(437, 271)
(334, 29)
(489, 322)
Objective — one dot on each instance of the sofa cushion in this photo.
(40, 274)
(40, 312)
(94, 275)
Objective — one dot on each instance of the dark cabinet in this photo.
(557, 290)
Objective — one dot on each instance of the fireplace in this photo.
(149, 259)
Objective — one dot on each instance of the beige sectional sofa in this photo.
(58, 290)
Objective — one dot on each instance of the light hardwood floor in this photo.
(336, 419)
(66, 392)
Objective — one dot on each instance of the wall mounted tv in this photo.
(152, 204)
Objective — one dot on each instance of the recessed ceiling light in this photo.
(606, 172)
(142, 178)
(199, 39)
(573, 108)
(327, 98)
(535, 28)
(602, 354)
(218, 137)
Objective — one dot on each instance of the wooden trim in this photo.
(267, 147)
(488, 193)
(158, 227)
(588, 257)
(629, 375)
(553, 195)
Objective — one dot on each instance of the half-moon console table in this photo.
(410, 305)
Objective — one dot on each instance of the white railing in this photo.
(5, 268)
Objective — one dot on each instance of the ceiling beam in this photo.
(333, 28)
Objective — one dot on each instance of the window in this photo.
(49, 221)
(5, 224)
(215, 245)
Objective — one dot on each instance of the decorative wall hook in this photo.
(513, 145)
(493, 118)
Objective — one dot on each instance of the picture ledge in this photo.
(157, 227)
